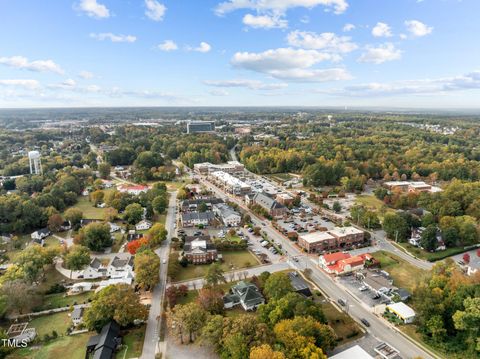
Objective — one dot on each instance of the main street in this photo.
(151, 344)
(379, 328)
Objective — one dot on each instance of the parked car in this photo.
(342, 302)
(365, 322)
(363, 288)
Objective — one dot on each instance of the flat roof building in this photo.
(200, 126)
(402, 311)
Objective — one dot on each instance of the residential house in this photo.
(228, 215)
(299, 284)
(113, 227)
(120, 265)
(40, 235)
(402, 311)
(191, 205)
(245, 294)
(135, 190)
(95, 270)
(190, 219)
(272, 206)
(66, 226)
(199, 250)
(105, 344)
(132, 236)
(81, 287)
(143, 225)
(77, 315)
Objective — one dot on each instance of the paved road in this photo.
(379, 328)
(239, 274)
(151, 344)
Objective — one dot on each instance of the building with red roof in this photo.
(341, 263)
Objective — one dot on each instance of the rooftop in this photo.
(316, 237)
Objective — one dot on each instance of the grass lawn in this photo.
(345, 327)
(89, 211)
(432, 257)
(280, 177)
(373, 203)
(71, 346)
(59, 300)
(404, 274)
(118, 242)
(45, 324)
(233, 260)
(52, 276)
(133, 342)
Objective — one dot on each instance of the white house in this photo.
(77, 315)
(95, 270)
(143, 225)
(113, 227)
(40, 234)
(120, 265)
(81, 287)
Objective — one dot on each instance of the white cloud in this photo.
(250, 84)
(264, 21)
(21, 62)
(469, 81)
(417, 28)
(348, 27)
(218, 92)
(113, 38)
(203, 47)
(325, 41)
(168, 45)
(93, 9)
(155, 10)
(278, 6)
(22, 83)
(68, 84)
(86, 75)
(380, 54)
(382, 30)
(290, 64)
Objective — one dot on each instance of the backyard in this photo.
(58, 300)
(132, 344)
(404, 274)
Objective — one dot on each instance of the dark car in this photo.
(342, 302)
(365, 322)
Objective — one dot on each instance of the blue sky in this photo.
(394, 53)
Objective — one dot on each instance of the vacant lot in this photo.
(403, 273)
(373, 203)
(45, 324)
(233, 260)
(89, 211)
(59, 300)
(345, 327)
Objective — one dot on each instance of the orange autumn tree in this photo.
(133, 246)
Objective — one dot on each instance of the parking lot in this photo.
(360, 291)
(306, 224)
(346, 203)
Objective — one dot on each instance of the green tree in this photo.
(189, 319)
(118, 302)
(77, 258)
(214, 275)
(133, 213)
(96, 236)
(160, 203)
(396, 227)
(337, 207)
(147, 266)
(104, 170)
(73, 215)
(428, 241)
(157, 234)
(277, 285)
(468, 320)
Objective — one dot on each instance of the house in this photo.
(133, 236)
(126, 278)
(343, 263)
(113, 227)
(95, 270)
(81, 287)
(377, 281)
(190, 219)
(105, 344)
(272, 206)
(136, 190)
(245, 294)
(299, 284)
(199, 250)
(39, 235)
(191, 205)
(228, 215)
(85, 192)
(143, 225)
(77, 315)
(119, 265)
(403, 294)
(402, 311)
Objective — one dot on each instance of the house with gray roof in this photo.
(105, 344)
(227, 214)
(271, 205)
(245, 294)
(190, 219)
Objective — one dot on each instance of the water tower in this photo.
(35, 162)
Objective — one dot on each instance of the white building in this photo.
(143, 225)
(232, 184)
(355, 352)
(228, 215)
(113, 227)
(120, 265)
(135, 190)
(35, 161)
(402, 311)
(77, 315)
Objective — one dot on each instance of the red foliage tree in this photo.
(466, 258)
(478, 252)
(133, 246)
